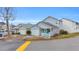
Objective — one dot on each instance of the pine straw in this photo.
(36, 38)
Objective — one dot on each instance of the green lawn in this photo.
(65, 36)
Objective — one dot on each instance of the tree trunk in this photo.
(8, 29)
(7, 20)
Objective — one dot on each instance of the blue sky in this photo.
(36, 14)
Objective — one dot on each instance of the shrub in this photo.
(18, 33)
(55, 35)
(28, 32)
(63, 32)
(13, 33)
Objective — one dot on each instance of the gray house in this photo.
(46, 28)
(24, 28)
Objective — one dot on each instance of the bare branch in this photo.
(7, 15)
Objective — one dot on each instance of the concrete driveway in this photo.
(71, 44)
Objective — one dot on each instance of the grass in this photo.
(65, 36)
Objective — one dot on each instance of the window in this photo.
(77, 27)
(57, 22)
(42, 30)
(45, 30)
(48, 30)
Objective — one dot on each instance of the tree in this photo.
(6, 14)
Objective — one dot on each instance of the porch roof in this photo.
(46, 24)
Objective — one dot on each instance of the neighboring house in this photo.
(46, 28)
(24, 28)
(69, 25)
(14, 29)
(2, 26)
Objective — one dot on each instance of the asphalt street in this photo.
(10, 45)
(71, 44)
